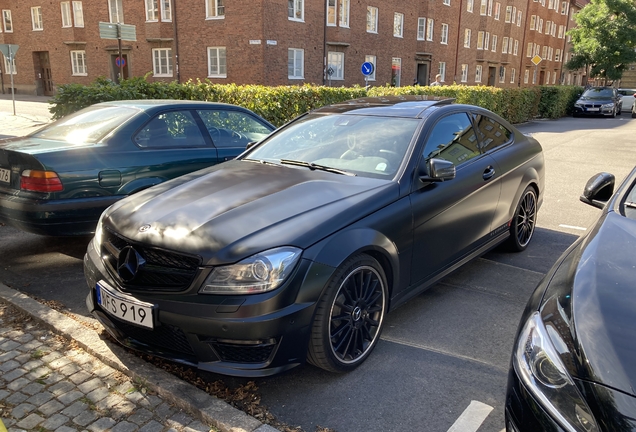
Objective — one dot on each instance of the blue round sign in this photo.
(367, 68)
(120, 61)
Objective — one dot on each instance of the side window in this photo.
(452, 139)
(491, 133)
(171, 129)
(232, 128)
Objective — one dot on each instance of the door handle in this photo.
(489, 173)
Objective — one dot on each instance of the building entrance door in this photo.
(492, 72)
(422, 74)
(114, 66)
(541, 77)
(46, 76)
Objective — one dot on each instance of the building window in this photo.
(483, 8)
(510, 45)
(478, 73)
(470, 4)
(421, 28)
(336, 64)
(296, 10)
(547, 27)
(371, 59)
(534, 76)
(444, 39)
(508, 13)
(554, 75)
(518, 18)
(78, 14)
(396, 71)
(344, 13)
(513, 73)
(540, 28)
(502, 74)
(446, 2)
(398, 24)
(494, 43)
(489, 7)
(430, 25)
(486, 41)
(295, 63)
(36, 18)
(331, 13)
(8, 23)
(514, 14)
(442, 71)
(162, 62)
(467, 33)
(10, 69)
(464, 73)
(78, 63)
(152, 10)
(504, 46)
(533, 22)
(372, 19)
(214, 9)
(529, 51)
(480, 40)
(166, 10)
(557, 55)
(217, 65)
(544, 53)
(526, 76)
(116, 11)
(516, 49)
(66, 14)
(497, 11)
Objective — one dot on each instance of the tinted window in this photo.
(491, 133)
(452, 139)
(598, 93)
(233, 128)
(171, 129)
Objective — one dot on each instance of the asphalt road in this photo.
(443, 357)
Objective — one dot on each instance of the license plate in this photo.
(593, 109)
(124, 307)
(5, 175)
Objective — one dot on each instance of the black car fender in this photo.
(530, 178)
(138, 185)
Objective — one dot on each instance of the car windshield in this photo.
(368, 146)
(598, 93)
(88, 125)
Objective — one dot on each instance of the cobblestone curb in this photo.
(202, 406)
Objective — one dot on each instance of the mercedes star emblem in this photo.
(144, 228)
(129, 263)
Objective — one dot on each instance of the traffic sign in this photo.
(367, 68)
(121, 31)
(9, 51)
(330, 71)
(120, 61)
(536, 60)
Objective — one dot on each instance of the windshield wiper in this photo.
(312, 166)
(630, 204)
(261, 161)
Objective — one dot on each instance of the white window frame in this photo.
(397, 61)
(446, 2)
(152, 10)
(533, 22)
(502, 76)
(67, 18)
(217, 70)
(478, 73)
(214, 9)
(337, 59)
(372, 18)
(548, 26)
(421, 28)
(78, 14)
(513, 15)
(480, 40)
(442, 71)
(398, 24)
(6, 19)
(296, 59)
(486, 41)
(373, 60)
(557, 55)
(545, 51)
(164, 54)
(554, 76)
(78, 63)
(470, 5)
(529, 50)
(519, 15)
(13, 70)
(296, 10)
(497, 11)
(526, 76)
(464, 77)
(483, 8)
(495, 42)
(345, 6)
(513, 73)
(430, 29)
(510, 45)
(540, 30)
(166, 10)
(467, 34)
(508, 14)
(36, 18)
(504, 45)
(444, 39)
(116, 11)
(489, 7)
(332, 14)
(516, 48)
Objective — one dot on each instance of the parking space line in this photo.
(573, 227)
(508, 265)
(438, 351)
(472, 417)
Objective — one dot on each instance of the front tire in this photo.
(523, 221)
(349, 315)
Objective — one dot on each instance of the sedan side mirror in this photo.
(250, 145)
(599, 189)
(436, 170)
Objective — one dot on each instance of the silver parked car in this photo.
(627, 100)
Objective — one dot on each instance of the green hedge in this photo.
(283, 103)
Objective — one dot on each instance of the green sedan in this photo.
(58, 180)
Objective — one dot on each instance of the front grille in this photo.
(163, 270)
(165, 336)
(238, 353)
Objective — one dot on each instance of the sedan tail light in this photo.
(40, 181)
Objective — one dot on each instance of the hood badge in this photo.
(129, 262)
(144, 228)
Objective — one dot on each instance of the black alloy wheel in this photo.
(349, 316)
(523, 221)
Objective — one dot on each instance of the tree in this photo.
(605, 37)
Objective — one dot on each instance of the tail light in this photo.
(40, 181)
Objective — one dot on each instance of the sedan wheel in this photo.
(523, 221)
(349, 315)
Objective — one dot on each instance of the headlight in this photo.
(259, 273)
(578, 104)
(99, 232)
(539, 366)
(609, 105)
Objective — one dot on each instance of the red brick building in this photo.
(287, 42)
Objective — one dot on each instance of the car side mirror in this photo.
(599, 189)
(250, 145)
(436, 170)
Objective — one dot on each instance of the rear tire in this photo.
(523, 221)
(349, 315)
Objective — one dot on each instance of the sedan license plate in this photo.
(124, 307)
(593, 109)
(5, 175)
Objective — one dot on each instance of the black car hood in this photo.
(599, 316)
(233, 210)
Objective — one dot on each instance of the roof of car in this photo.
(390, 106)
(151, 103)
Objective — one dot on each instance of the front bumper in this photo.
(250, 336)
(593, 111)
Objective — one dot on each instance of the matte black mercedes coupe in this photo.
(297, 250)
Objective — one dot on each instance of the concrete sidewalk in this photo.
(82, 382)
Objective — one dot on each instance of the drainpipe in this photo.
(459, 30)
(176, 40)
(565, 38)
(324, 45)
(523, 43)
